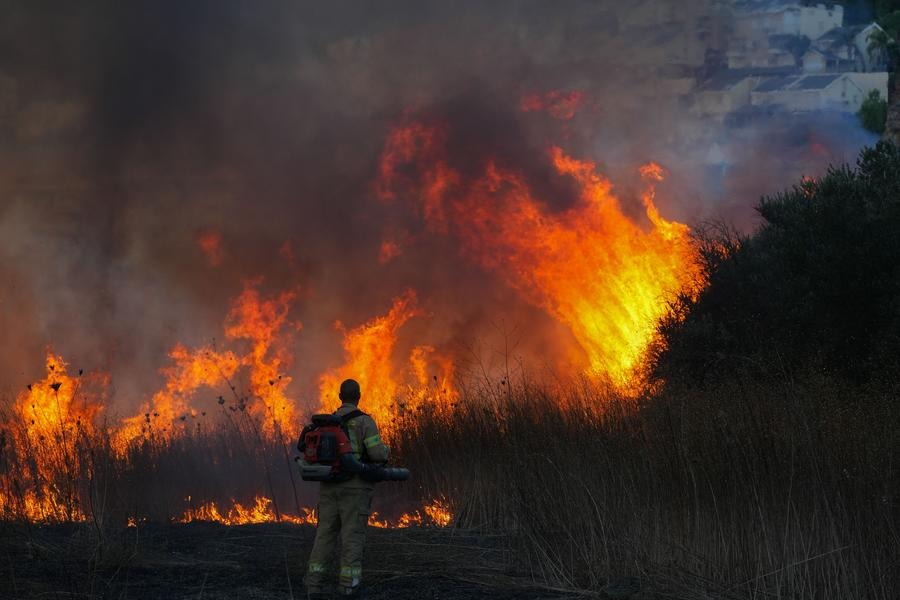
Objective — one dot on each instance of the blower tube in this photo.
(373, 473)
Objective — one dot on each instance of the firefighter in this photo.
(344, 507)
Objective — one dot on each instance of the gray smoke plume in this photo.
(128, 129)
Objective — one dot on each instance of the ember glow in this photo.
(558, 104)
(603, 275)
(212, 245)
(388, 251)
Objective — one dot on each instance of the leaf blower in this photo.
(326, 453)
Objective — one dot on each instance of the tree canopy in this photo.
(816, 286)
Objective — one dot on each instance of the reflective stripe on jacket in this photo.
(364, 436)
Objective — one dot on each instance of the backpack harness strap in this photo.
(353, 442)
(352, 415)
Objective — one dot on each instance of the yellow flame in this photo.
(369, 350)
(436, 513)
(53, 416)
(605, 276)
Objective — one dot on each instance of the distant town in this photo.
(788, 57)
(785, 57)
(736, 61)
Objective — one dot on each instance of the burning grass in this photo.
(434, 514)
(736, 490)
(61, 462)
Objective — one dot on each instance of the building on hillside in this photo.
(777, 50)
(869, 82)
(834, 91)
(750, 115)
(724, 93)
(777, 34)
(671, 81)
(759, 20)
(846, 49)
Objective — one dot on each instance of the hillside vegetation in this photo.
(813, 290)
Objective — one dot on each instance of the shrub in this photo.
(873, 112)
(814, 287)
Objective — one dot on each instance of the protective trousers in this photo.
(343, 514)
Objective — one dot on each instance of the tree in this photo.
(815, 287)
(873, 112)
(885, 7)
(883, 42)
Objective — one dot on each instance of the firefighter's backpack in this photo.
(323, 445)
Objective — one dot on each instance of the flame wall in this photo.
(158, 156)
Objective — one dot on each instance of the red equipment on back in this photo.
(323, 445)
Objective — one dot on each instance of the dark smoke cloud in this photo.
(127, 128)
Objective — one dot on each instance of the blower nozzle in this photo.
(373, 473)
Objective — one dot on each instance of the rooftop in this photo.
(839, 35)
(775, 84)
(748, 7)
(722, 81)
(805, 83)
(816, 82)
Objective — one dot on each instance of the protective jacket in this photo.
(366, 442)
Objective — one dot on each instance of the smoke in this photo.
(129, 130)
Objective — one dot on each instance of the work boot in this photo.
(317, 594)
(356, 593)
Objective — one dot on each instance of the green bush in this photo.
(873, 112)
(815, 287)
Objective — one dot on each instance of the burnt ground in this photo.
(255, 562)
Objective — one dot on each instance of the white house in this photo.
(723, 94)
(868, 82)
(845, 49)
(777, 50)
(758, 20)
(833, 91)
(775, 34)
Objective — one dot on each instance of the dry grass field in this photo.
(741, 490)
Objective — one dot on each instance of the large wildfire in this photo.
(591, 267)
(604, 275)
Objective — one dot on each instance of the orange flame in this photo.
(388, 251)
(169, 409)
(558, 104)
(259, 321)
(436, 513)
(58, 413)
(607, 278)
(210, 242)
(437, 390)
(254, 318)
(260, 512)
(369, 349)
